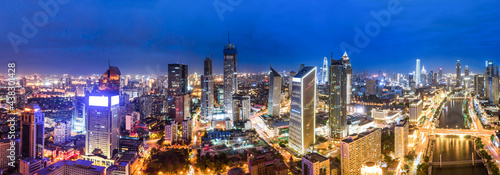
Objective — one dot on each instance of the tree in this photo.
(492, 137)
(426, 159)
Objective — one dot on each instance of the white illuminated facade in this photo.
(303, 110)
(102, 125)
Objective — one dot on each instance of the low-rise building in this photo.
(315, 164)
(68, 167)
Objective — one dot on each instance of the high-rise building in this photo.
(324, 71)
(411, 82)
(230, 77)
(401, 131)
(8, 148)
(466, 76)
(415, 110)
(241, 108)
(303, 110)
(62, 132)
(459, 74)
(220, 94)
(495, 90)
(417, 72)
(177, 85)
(440, 76)
(207, 91)
(274, 100)
(103, 112)
(337, 100)
(356, 150)
(423, 78)
(187, 129)
(32, 140)
(78, 118)
(171, 131)
(292, 74)
(489, 84)
(182, 107)
(479, 84)
(348, 70)
(370, 87)
(315, 164)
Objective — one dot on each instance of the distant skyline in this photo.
(143, 37)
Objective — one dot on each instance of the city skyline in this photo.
(147, 46)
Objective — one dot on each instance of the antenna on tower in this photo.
(228, 41)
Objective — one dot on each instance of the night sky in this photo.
(144, 36)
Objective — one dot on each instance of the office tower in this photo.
(241, 108)
(415, 110)
(62, 132)
(315, 164)
(411, 83)
(440, 76)
(356, 150)
(370, 87)
(182, 107)
(187, 130)
(171, 131)
(488, 80)
(401, 131)
(220, 94)
(32, 132)
(348, 71)
(417, 72)
(324, 71)
(337, 100)
(292, 74)
(429, 78)
(423, 74)
(131, 119)
(103, 112)
(479, 84)
(495, 90)
(274, 100)
(78, 167)
(466, 76)
(177, 85)
(78, 118)
(459, 74)
(207, 91)
(230, 77)
(303, 110)
(32, 140)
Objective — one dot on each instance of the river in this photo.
(454, 148)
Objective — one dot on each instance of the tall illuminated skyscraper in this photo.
(78, 118)
(303, 110)
(290, 79)
(348, 71)
(103, 112)
(274, 99)
(32, 139)
(356, 150)
(423, 74)
(459, 74)
(337, 100)
(466, 76)
(230, 77)
(324, 71)
(440, 76)
(207, 91)
(177, 85)
(417, 72)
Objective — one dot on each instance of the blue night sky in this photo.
(144, 36)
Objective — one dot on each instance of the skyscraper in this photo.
(182, 107)
(479, 84)
(417, 72)
(324, 71)
(32, 140)
(32, 132)
(466, 76)
(440, 76)
(348, 71)
(274, 100)
(303, 110)
(177, 85)
(423, 74)
(207, 91)
(62, 132)
(78, 119)
(401, 131)
(337, 99)
(230, 77)
(103, 112)
(459, 74)
(356, 150)
(241, 108)
(489, 73)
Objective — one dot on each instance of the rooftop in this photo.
(315, 157)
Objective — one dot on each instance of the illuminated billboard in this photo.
(98, 101)
(115, 100)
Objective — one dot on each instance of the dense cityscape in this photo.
(258, 91)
